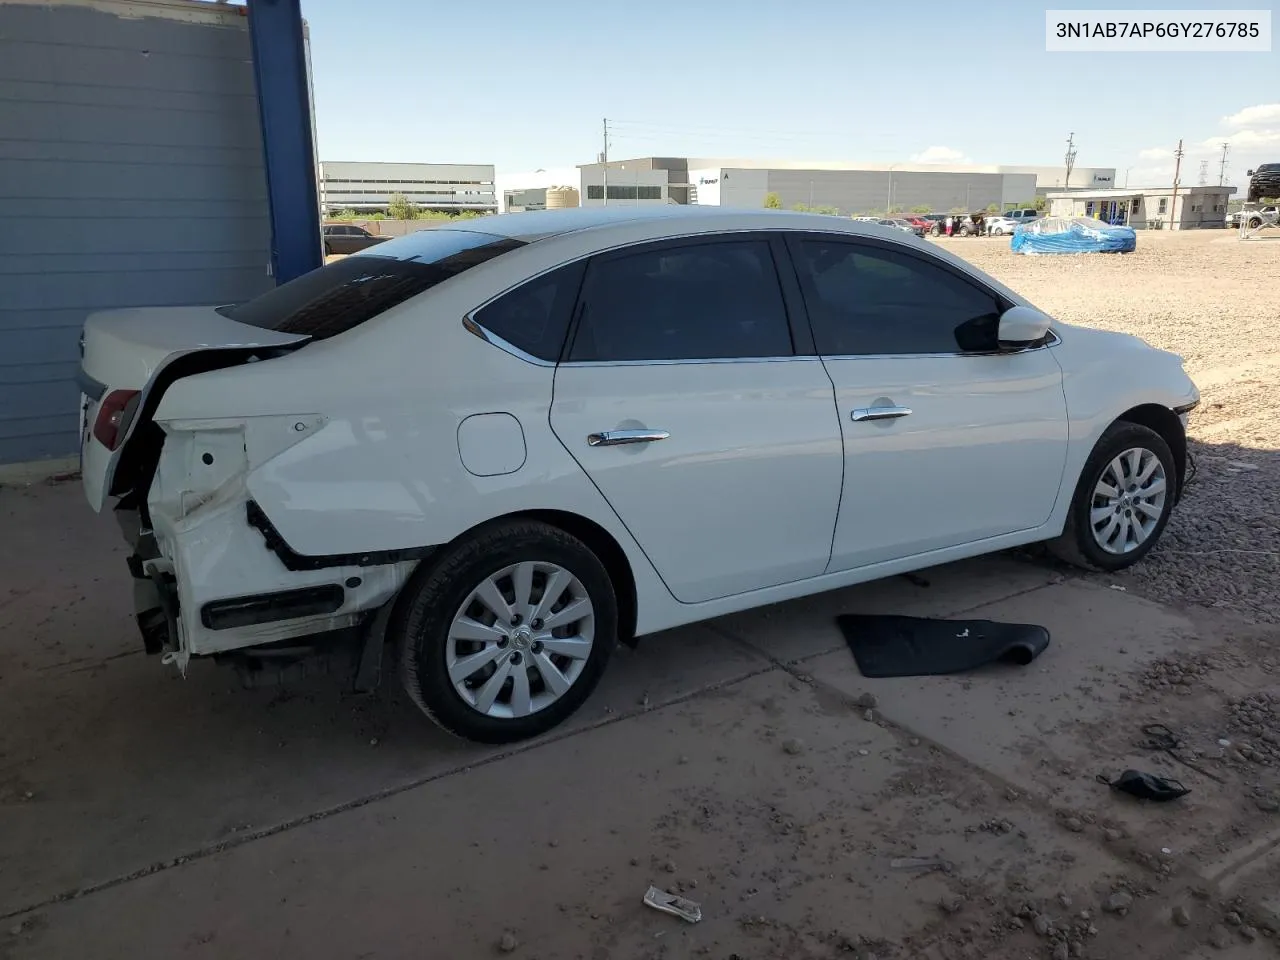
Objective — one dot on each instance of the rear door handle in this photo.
(613, 438)
(879, 413)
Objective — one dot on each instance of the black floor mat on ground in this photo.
(892, 646)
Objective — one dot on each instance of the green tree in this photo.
(993, 208)
(1039, 203)
(921, 208)
(772, 201)
(955, 210)
(399, 208)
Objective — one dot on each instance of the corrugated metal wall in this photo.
(130, 175)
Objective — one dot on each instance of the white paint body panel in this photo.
(491, 444)
(741, 495)
(979, 456)
(359, 443)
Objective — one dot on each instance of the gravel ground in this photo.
(1214, 300)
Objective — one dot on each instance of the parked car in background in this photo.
(500, 449)
(348, 238)
(1072, 235)
(999, 226)
(1254, 218)
(1023, 214)
(900, 224)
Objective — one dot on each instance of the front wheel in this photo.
(508, 632)
(1255, 223)
(1122, 502)
(998, 231)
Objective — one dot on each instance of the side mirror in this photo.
(1020, 326)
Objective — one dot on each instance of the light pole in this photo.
(1126, 177)
(888, 203)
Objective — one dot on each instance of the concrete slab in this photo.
(1050, 728)
(126, 764)
(801, 628)
(779, 810)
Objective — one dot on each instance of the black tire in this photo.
(1077, 544)
(435, 595)
(328, 250)
(1255, 223)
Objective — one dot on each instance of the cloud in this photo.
(1243, 140)
(1262, 114)
(940, 155)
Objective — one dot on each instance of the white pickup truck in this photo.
(1256, 217)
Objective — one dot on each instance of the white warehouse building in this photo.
(369, 187)
(849, 188)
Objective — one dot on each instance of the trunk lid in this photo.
(122, 354)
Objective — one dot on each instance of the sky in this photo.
(526, 85)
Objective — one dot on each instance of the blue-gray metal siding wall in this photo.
(130, 175)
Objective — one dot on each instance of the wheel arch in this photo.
(598, 540)
(1168, 424)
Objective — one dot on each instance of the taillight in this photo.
(113, 417)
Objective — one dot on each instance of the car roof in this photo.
(683, 219)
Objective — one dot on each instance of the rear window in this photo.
(348, 292)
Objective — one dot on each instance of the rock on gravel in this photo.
(508, 943)
(1181, 916)
(1219, 937)
(1119, 902)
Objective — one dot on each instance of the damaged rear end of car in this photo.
(183, 409)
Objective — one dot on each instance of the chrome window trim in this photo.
(470, 324)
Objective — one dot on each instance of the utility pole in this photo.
(1177, 173)
(1071, 159)
(1204, 173)
(604, 159)
(1222, 164)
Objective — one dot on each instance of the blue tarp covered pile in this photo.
(1072, 235)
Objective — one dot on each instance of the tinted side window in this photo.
(715, 300)
(534, 317)
(867, 300)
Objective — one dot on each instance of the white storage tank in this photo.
(560, 197)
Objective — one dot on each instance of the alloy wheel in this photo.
(1129, 500)
(520, 640)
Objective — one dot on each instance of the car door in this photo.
(708, 427)
(948, 440)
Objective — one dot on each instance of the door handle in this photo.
(613, 438)
(879, 413)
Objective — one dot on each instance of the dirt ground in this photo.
(745, 762)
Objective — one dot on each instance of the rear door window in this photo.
(348, 292)
(719, 299)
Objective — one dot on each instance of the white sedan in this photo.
(999, 226)
(496, 449)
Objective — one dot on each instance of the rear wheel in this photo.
(508, 633)
(1122, 502)
(1255, 223)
